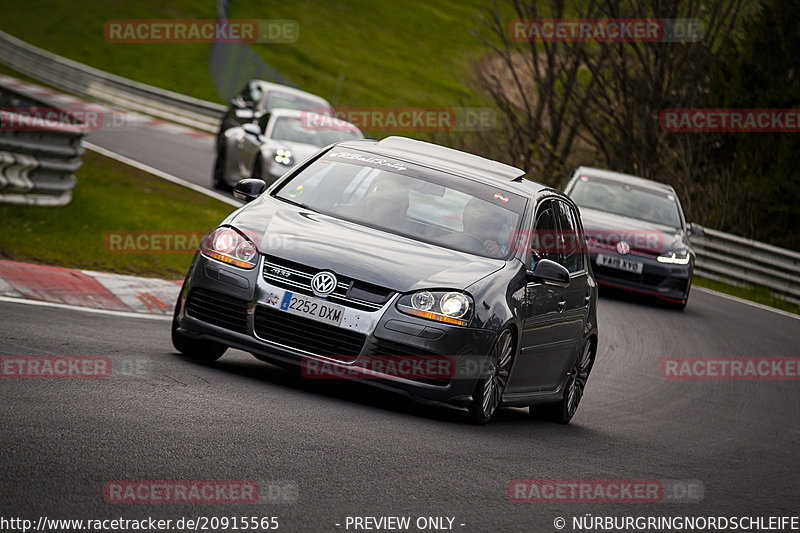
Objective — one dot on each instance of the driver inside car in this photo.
(482, 221)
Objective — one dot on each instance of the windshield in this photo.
(440, 209)
(294, 129)
(626, 200)
(277, 100)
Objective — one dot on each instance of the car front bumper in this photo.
(228, 305)
(666, 281)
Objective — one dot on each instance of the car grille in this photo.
(389, 348)
(307, 335)
(349, 292)
(386, 349)
(644, 278)
(218, 309)
(598, 244)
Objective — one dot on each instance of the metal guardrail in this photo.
(737, 260)
(89, 82)
(37, 164)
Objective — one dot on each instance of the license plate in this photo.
(614, 261)
(313, 308)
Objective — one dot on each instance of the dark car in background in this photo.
(637, 237)
(258, 97)
(404, 251)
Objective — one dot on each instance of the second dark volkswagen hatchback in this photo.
(428, 271)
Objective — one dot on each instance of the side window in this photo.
(545, 234)
(571, 245)
(263, 122)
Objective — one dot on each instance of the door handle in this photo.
(561, 306)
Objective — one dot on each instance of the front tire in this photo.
(218, 177)
(563, 411)
(258, 168)
(200, 350)
(489, 390)
(680, 306)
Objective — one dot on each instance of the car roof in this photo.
(450, 160)
(624, 178)
(268, 86)
(297, 113)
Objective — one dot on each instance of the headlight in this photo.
(422, 301)
(229, 246)
(450, 307)
(284, 157)
(679, 258)
(454, 304)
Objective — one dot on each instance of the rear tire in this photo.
(488, 392)
(200, 350)
(563, 411)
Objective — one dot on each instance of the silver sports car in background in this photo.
(273, 145)
(259, 97)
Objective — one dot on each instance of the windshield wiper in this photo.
(298, 204)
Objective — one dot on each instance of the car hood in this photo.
(349, 249)
(643, 236)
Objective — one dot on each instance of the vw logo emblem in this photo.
(323, 283)
(623, 247)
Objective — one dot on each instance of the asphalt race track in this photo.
(352, 451)
(189, 158)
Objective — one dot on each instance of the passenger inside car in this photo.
(388, 202)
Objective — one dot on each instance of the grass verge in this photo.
(109, 197)
(417, 55)
(759, 295)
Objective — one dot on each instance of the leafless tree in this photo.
(537, 86)
(599, 99)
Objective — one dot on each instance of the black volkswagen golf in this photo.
(410, 265)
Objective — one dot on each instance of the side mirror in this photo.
(548, 272)
(693, 228)
(249, 189)
(252, 129)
